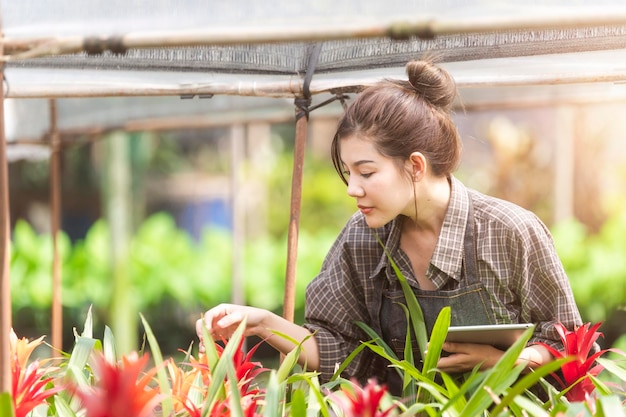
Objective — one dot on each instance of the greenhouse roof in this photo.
(501, 53)
(248, 48)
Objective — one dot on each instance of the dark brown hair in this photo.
(401, 117)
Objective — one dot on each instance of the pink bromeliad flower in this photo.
(357, 401)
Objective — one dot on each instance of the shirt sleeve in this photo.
(334, 302)
(545, 293)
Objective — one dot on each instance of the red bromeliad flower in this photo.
(183, 383)
(28, 380)
(579, 344)
(362, 402)
(245, 369)
(120, 389)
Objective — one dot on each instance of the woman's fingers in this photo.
(220, 321)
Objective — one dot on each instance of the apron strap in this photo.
(469, 246)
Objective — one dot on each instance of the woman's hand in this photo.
(222, 321)
(465, 356)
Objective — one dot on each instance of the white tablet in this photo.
(499, 335)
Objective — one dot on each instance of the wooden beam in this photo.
(5, 238)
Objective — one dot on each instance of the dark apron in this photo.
(469, 304)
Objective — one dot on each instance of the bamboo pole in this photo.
(291, 86)
(118, 206)
(564, 161)
(55, 221)
(426, 27)
(5, 281)
(237, 139)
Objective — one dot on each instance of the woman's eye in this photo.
(366, 175)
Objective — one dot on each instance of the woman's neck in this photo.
(433, 198)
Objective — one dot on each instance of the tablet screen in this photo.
(499, 335)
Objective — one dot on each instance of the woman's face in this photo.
(382, 191)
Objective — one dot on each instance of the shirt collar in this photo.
(448, 254)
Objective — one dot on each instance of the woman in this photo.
(489, 260)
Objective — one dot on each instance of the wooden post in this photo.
(55, 222)
(5, 238)
(294, 218)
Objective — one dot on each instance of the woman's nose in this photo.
(355, 190)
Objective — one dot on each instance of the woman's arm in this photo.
(223, 320)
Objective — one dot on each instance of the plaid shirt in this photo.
(517, 263)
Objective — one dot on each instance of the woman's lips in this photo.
(365, 209)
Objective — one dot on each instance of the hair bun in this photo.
(432, 82)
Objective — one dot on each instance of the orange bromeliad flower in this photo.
(120, 389)
(28, 380)
(187, 393)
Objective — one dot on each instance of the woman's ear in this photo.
(417, 160)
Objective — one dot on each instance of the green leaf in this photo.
(164, 385)
(88, 328)
(108, 345)
(532, 408)
(416, 315)
(274, 396)
(456, 399)
(348, 359)
(196, 394)
(319, 406)
(613, 367)
(220, 371)
(62, 408)
(601, 387)
(437, 338)
(209, 349)
(409, 387)
(298, 403)
(236, 409)
(6, 405)
(77, 364)
(609, 406)
(498, 378)
(376, 339)
(289, 362)
(529, 380)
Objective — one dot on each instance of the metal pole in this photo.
(5, 238)
(55, 221)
